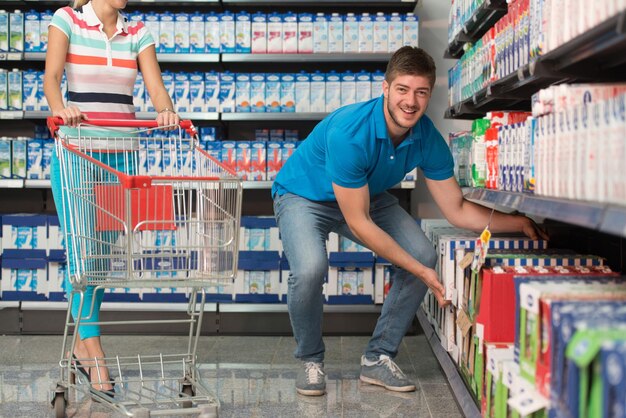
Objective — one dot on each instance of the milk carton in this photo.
(45, 18)
(318, 92)
(212, 33)
(377, 83)
(197, 103)
(227, 32)
(242, 93)
(288, 148)
(181, 33)
(320, 33)
(4, 89)
(272, 93)
(333, 91)
(212, 91)
(274, 33)
(350, 34)
(243, 159)
(366, 33)
(335, 33)
(181, 92)
(167, 32)
(290, 33)
(303, 92)
(259, 33)
(4, 31)
(48, 149)
(5, 158)
(257, 92)
(363, 86)
(395, 32)
(243, 43)
(170, 86)
(30, 89)
(197, 39)
(16, 31)
(287, 93)
(34, 158)
(152, 22)
(32, 35)
(227, 92)
(229, 155)
(410, 30)
(305, 33)
(274, 159)
(15, 89)
(381, 32)
(348, 88)
(18, 151)
(139, 92)
(41, 97)
(258, 161)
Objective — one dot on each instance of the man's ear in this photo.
(385, 89)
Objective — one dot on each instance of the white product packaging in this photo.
(197, 103)
(4, 31)
(335, 33)
(181, 92)
(381, 32)
(410, 30)
(44, 20)
(16, 31)
(212, 33)
(197, 39)
(15, 89)
(243, 42)
(166, 33)
(242, 93)
(350, 34)
(34, 155)
(212, 91)
(272, 92)
(287, 93)
(333, 91)
(259, 33)
(320, 33)
(290, 33)
(348, 88)
(257, 92)
(181, 33)
(227, 92)
(41, 97)
(227, 32)
(32, 35)
(30, 89)
(318, 92)
(377, 83)
(151, 20)
(274, 33)
(366, 33)
(303, 92)
(4, 89)
(395, 32)
(363, 87)
(305, 33)
(139, 92)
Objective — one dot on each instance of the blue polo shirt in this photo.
(351, 148)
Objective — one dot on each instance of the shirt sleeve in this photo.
(145, 38)
(346, 160)
(62, 21)
(438, 162)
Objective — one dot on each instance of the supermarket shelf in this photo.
(461, 393)
(282, 307)
(483, 18)
(37, 184)
(183, 115)
(118, 306)
(41, 56)
(404, 4)
(338, 57)
(265, 116)
(11, 183)
(599, 216)
(596, 54)
(11, 114)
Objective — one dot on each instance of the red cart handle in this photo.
(54, 122)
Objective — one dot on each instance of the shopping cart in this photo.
(135, 223)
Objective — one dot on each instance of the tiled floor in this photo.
(251, 377)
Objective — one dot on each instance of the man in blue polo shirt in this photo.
(336, 181)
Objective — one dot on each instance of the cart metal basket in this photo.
(144, 209)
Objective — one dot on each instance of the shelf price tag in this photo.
(482, 246)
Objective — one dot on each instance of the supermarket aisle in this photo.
(252, 376)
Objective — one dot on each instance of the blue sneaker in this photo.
(384, 372)
(311, 380)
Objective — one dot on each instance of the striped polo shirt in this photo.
(101, 72)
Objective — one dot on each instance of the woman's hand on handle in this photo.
(71, 115)
(168, 118)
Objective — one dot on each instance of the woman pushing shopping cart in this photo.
(115, 201)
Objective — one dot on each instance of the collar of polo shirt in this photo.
(92, 19)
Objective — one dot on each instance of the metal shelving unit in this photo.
(596, 55)
(461, 392)
(297, 58)
(265, 116)
(476, 26)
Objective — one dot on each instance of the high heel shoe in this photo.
(80, 367)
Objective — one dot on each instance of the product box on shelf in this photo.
(57, 274)
(350, 34)
(259, 234)
(32, 27)
(227, 32)
(272, 92)
(165, 268)
(181, 33)
(258, 29)
(366, 33)
(290, 33)
(381, 33)
(274, 33)
(181, 92)
(363, 86)
(382, 279)
(166, 33)
(410, 30)
(318, 92)
(335, 33)
(613, 379)
(197, 90)
(258, 278)
(302, 92)
(258, 160)
(24, 232)
(287, 93)
(333, 91)
(350, 278)
(242, 93)
(212, 40)
(274, 159)
(257, 92)
(320, 33)
(305, 33)
(243, 43)
(348, 88)
(395, 32)
(243, 159)
(24, 275)
(227, 92)
(492, 398)
(197, 38)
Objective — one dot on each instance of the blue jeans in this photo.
(304, 227)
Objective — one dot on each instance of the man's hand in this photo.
(432, 281)
(71, 115)
(532, 230)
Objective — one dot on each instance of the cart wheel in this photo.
(187, 390)
(59, 405)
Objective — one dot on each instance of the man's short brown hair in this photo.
(411, 60)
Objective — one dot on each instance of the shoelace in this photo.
(393, 367)
(313, 372)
